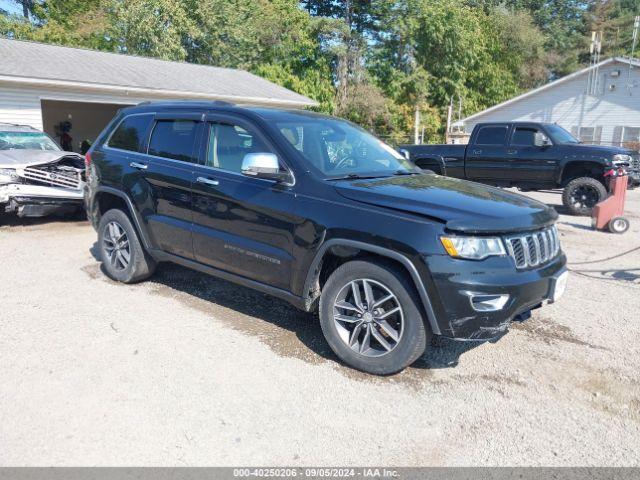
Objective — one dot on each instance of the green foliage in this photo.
(372, 61)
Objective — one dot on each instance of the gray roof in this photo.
(92, 68)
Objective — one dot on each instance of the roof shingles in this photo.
(66, 64)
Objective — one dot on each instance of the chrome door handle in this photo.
(139, 166)
(208, 181)
(512, 152)
(477, 152)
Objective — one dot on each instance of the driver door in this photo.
(529, 162)
(241, 224)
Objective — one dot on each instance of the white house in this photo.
(600, 104)
(45, 85)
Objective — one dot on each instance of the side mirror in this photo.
(266, 166)
(541, 140)
(405, 153)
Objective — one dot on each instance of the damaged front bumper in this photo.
(37, 183)
(39, 200)
(479, 300)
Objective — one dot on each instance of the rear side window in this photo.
(492, 136)
(131, 133)
(174, 139)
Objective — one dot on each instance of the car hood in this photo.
(29, 158)
(600, 149)
(463, 206)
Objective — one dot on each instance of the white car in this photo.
(36, 176)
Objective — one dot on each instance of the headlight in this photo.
(474, 248)
(622, 158)
(8, 175)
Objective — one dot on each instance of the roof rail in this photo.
(222, 103)
(219, 103)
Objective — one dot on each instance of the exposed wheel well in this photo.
(338, 255)
(106, 201)
(582, 169)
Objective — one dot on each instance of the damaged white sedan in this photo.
(37, 178)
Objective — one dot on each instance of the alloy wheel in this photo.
(585, 196)
(116, 246)
(368, 317)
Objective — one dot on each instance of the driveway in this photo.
(189, 370)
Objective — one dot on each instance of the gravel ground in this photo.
(189, 370)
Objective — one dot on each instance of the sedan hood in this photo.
(463, 206)
(30, 158)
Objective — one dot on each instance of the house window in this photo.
(630, 134)
(588, 134)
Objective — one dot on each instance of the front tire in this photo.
(582, 194)
(123, 258)
(371, 318)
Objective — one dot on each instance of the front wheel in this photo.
(371, 318)
(582, 194)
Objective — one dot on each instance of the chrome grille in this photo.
(70, 178)
(533, 248)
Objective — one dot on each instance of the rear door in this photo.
(242, 225)
(168, 168)
(531, 163)
(125, 146)
(487, 160)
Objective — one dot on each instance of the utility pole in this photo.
(636, 26)
(595, 49)
(416, 129)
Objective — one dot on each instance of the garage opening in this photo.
(72, 123)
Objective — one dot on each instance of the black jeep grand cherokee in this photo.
(316, 211)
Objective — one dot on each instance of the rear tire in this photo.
(366, 331)
(582, 194)
(122, 255)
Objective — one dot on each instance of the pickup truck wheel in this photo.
(582, 194)
(123, 258)
(371, 319)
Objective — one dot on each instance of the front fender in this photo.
(384, 252)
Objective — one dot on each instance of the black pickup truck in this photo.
(531, 156)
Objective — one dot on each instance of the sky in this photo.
(10, 6)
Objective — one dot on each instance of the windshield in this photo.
(26, 141)
(339, 149)
(560, 135)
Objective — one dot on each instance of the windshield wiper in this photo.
(405, 172)
(355, 176)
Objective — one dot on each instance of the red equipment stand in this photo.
(608, 214)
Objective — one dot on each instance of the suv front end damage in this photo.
(40, 187)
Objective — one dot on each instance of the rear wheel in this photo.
(122, 255)
(582, 194)
(371, 318)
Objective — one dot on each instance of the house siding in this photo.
(568, 105)
(23, 105)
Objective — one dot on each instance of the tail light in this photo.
(87, 159)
